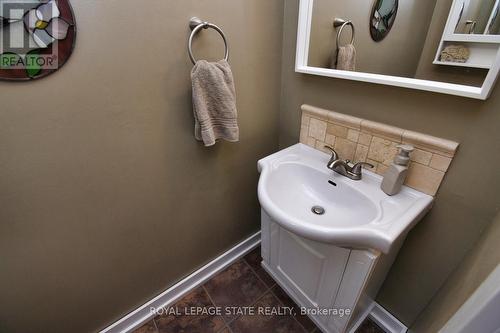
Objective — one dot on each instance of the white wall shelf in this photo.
(461, 64)
(484, 49)
(481, 55)
(472, 38)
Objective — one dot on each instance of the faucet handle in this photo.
(335, 156)
(356, 169)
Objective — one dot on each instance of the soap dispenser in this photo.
(395, 176)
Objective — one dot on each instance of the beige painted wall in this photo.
(106, 198)
(395, 55)
(468, 276)
(469, 197)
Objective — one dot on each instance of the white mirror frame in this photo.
(301, 66)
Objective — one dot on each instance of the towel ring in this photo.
(196, 25)
(338, 22)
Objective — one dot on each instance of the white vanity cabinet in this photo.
(330, 243)
(323, 277)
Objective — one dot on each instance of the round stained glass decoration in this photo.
(37, 37)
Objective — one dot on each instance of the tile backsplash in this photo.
(359, 140)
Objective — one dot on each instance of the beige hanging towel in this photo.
(214, 102)
(346, 58)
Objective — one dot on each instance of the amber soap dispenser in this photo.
(395, 176)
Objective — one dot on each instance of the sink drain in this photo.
(318, 210)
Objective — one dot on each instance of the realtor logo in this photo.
(33, 34)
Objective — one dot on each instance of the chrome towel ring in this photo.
(338, 22)
(196, 25)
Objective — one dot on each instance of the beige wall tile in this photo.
(317, 129)
(382, 130)
(345, 148)
(311, 142)
(361, 153)
(353, 135)
(375, 165)
(421, 156)
(305, 120)
(365, 138)
(345, 120)
(330, 139)
(382, 150)
(382, 168)
(304, 133)
(424, 178)
(315, 112)
(430, 143)
(337, 130)
(439, 162)
(321, 147)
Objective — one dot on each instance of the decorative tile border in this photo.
(361, 140)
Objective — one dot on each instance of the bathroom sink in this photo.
(301, 194)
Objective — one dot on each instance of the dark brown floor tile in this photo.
(266, 323)
(189, 323)
(254, 259)
(148, 327)
(235, 286)
(369, 326)
(287, 301)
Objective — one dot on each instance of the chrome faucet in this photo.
(344, 167)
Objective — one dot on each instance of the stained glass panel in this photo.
(36, 37)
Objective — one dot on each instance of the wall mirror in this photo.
(446, 46)
(479, 17)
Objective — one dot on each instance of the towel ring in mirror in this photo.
(338, 22)
(196, 25)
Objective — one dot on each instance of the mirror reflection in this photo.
(479, 17)
(406, 38)
(382, 19)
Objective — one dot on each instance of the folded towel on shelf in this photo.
(455, 53)
(346, 58)
(214, 102)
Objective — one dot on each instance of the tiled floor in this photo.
(243, 284)
(368, 326)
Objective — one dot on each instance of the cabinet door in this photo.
(265, 236)
(355, 277)
(312, 270)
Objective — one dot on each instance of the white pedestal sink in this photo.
(328, 240)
